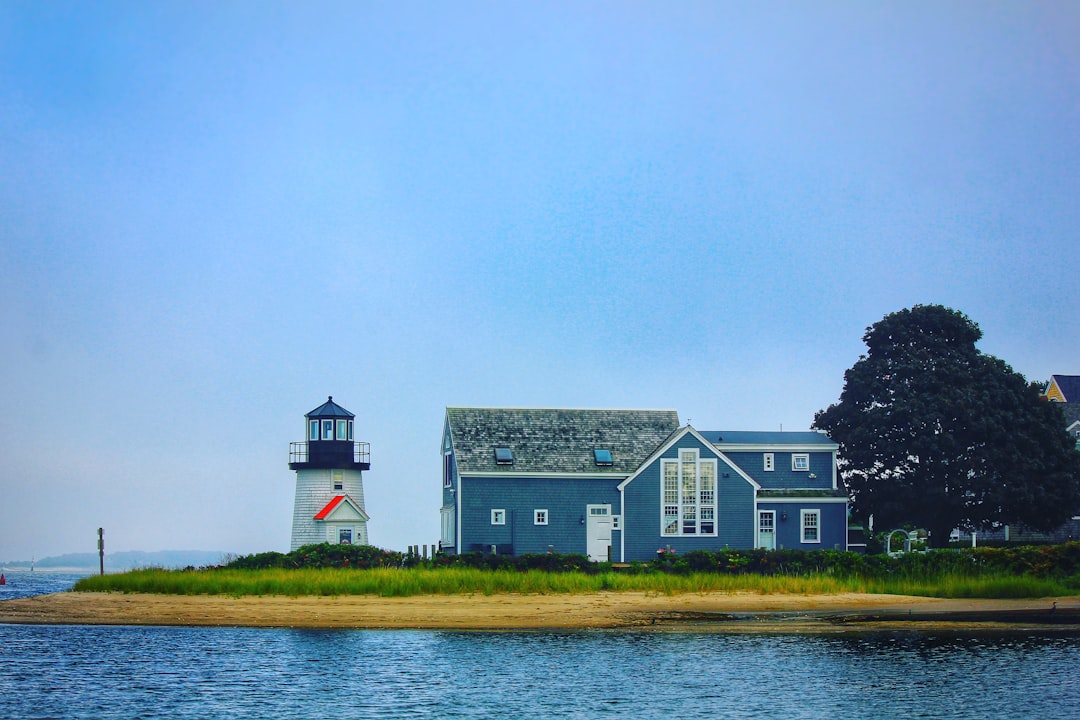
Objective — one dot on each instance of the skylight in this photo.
(503, 456)
(603, 457)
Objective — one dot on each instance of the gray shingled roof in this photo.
(765, 437)
(557, 440)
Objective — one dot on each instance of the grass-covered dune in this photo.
(326, 570)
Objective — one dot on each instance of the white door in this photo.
(766, 534)
(598, 529)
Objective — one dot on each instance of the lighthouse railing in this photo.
(299, 453)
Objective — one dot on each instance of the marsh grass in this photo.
(398, 582)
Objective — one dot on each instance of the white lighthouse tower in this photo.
(329, 505)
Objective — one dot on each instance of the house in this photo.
(1065, 389)
(623, 485)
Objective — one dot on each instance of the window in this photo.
(448, 471)
(498, 517)
(350, 430)
(616, 522)
(800, 462)
(540, 517)
(811, 526)
(313, 430)
(327, 429)
(345, 536)
(336, 478)
(503, 456)
(447, 520)
(770, 462)
(603, 457)
(342, 430)
(688, 495)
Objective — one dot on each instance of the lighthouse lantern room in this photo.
(329, 465)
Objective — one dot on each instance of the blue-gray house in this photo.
(625, 484)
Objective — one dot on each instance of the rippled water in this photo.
(23, 583)
(148, 672)
(154, 672)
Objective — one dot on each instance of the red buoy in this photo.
(3, 580)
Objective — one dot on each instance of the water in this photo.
(154, 672)
(23, 583)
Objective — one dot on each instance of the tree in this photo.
(935, 433)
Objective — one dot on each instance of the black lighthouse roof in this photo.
(329, 409)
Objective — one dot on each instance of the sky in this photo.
(213, 215)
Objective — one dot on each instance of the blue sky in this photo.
(214, 215)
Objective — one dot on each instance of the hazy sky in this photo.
(213, 215)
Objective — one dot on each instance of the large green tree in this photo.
(935, 433)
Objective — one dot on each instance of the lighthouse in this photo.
(329, 465)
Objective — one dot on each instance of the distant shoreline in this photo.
(741, 612)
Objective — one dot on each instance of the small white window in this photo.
(800, 462)
(345, 536)
(616, 522)
(498, 517)
(770, 462)
(540, 517)
(811, 526)
(342, 430)
(336, 477)
(448, 471)
(313, 430)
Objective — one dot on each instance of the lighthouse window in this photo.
(327, 429)
(342, 432)
(313, 430)
(336, 476)
(350, 429)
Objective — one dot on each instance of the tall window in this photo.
(336, 476)
(688, 495)
(448, 471)
(770, 462)
(811, 526)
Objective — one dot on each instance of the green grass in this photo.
(392, 582)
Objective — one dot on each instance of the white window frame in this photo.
(447, 517)
(771, 515)
(337, 479)
(804, 515)
(327, 429)
(616, 522)
(313, 430)
(447, 479)
(342, 430)
(498, 516)
(688, 502)
(770, 462)
(540, 517)
(798, 459)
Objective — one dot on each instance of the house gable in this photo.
(1063, 388)
(342, 509)
(781, 460)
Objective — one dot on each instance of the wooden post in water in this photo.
(101, 549)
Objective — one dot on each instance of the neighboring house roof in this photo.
(1072, 412)
(339, 504)
(1063, 388)
(556, 440)
(330, 409)
(722, 438)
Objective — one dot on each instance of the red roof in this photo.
(321, 515)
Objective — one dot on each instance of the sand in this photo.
(711, 611)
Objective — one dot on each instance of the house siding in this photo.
(783, 477)
(833, 528)
(564, 499)
(642, 518)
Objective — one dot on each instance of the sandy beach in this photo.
(725, 613)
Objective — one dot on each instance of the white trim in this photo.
(806, 500)
(803, 514)
(799, 456)
(681, 505)
(768, 462)
(757, 529)
(498, 516)
(775, 447)
(529, 475)
(657, 454)
(539, 519)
